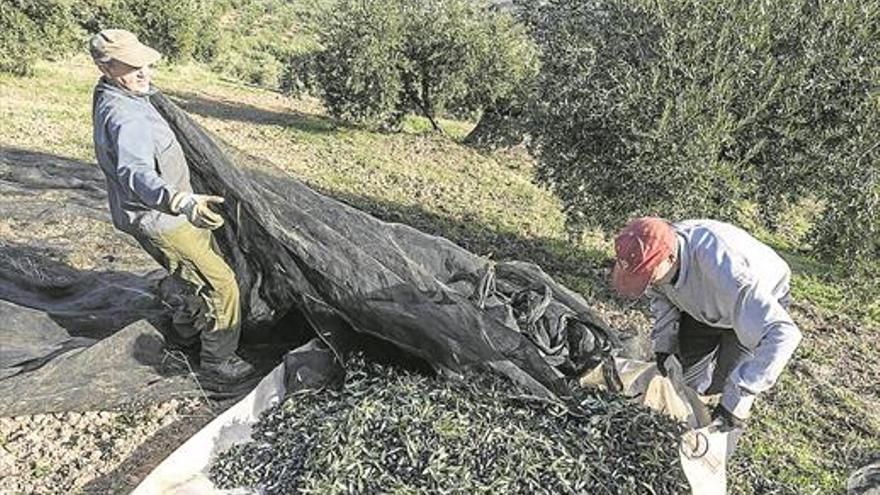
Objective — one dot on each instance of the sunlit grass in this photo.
(489, 203)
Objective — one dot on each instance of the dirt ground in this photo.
(55, 217)
(58, 217)
(54, 213)
(55, 208)
(93, 452)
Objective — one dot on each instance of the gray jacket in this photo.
(728, 279)
(141, 159)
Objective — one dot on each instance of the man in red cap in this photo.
(719, 299)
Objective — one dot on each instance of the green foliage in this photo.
(687, 108)
(17, 52)
(38, 29)
(850, 226)
(179, 29)
(361, 65)
(261, 37)
(33, 29)
(501, 120)
(382, 59)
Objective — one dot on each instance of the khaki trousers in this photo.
(191, 254)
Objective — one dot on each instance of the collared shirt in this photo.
(729, 279)
(142, 161)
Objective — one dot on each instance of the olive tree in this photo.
(382, 59)
(688, 108)
(34, 29)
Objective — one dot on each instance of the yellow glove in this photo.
(197, 209)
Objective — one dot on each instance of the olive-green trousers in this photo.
(191, 254)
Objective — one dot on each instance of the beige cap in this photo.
(121, 45)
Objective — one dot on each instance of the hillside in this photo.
(819, 423)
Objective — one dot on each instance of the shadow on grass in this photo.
(241, 112)
(848, 291)
(559, 258)
(28, 171)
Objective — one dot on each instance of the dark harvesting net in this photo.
(350, 274)
(307, 266)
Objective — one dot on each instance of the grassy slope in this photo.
(818, 422)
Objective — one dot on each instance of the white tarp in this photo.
(704, 452)
(185, 471)
(704, 456)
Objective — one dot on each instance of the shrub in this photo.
(361, 65)
(261, 37)
(382, 59)
(688, 108)
(33, 29)
(17, 49)
(179, 29)
(252, 65)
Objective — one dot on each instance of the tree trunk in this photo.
(496, 129)
(427, 108)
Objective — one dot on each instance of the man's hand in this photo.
(660, 359)
(197, 208)
(724, 421)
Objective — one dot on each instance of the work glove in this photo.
(660, 359)
(197, 208)
(724, 421)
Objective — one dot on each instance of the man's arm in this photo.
(136, 164)
(759, 318)
(664, 336)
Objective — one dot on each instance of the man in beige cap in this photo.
(151, 198)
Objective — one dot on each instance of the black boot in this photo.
(229, 370)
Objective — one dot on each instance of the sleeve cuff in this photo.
(737, 401)
(176, 199)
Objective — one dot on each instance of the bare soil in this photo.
(93, 452)
(821, 421)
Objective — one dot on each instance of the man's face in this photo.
(663, 270)
(135, 79)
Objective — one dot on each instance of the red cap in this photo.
(642, 245)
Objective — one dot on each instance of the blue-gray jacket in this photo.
(729, 279)
(141, 159)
